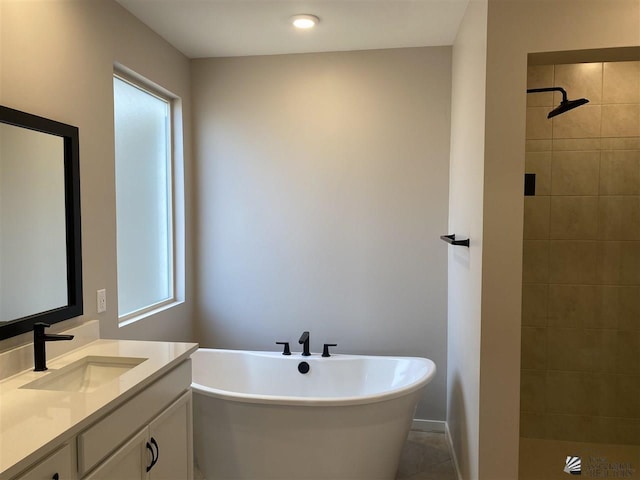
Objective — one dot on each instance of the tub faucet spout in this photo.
(304, 341)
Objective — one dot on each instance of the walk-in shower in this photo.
(580, 365)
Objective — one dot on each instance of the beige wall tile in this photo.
(627, 354)
(619, 217)
(567, 349)
(575, 173)
(621, 82)
(538, 145)
(538, 125)
(532, 387)
(623, 143)
(602, 431)
(573, 305)
(542, 459)
(534, 304)
(580, 80)
(567, 427)
(540, 76)
(627, 431)
(600, 348)
(535, 261)
(574, 218)
(542, 454)
(576, 144)
(536, 217)
(573, 262)
(569, 393)
(534, 348)
(620, 172)
(621, 120)
(605, 393)
(619, 263)
(581, 122)
(585, 372)
(540, 164)
(628, 396)
(533, 425)
(620, 308)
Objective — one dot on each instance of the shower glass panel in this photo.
(580, 366)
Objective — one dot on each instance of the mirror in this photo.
(40, 244)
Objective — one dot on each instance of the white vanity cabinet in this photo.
(146, 437)
(160, 451)
(149, 437)
(60, 465)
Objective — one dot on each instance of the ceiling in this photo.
(224, 28)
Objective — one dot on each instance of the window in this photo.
(144, 203)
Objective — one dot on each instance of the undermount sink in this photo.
(86, 374)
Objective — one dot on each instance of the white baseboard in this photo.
(428, 425)
(438, 426)
(452, 451)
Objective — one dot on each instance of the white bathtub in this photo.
(256, 417)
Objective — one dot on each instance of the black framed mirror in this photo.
(40, 234)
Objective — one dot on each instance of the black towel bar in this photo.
(452, 240)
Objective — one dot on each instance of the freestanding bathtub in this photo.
(256, 417)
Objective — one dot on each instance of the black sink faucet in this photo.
(39, 339)
(304, 341)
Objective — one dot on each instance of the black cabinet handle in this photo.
(153, 442)
(287, 350)
(325, 349)
(55, 476)
(153, 457)
(452, 240)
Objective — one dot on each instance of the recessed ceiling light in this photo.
(304, 21)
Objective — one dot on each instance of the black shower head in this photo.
(565, 104)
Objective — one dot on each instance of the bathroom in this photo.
(58, 59)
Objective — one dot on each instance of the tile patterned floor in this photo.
(426, 456)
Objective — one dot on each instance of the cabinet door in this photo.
(171, 435)
(128, 463)
(55, 467)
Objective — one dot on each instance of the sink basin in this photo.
(86, 374)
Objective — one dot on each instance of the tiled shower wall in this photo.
(581, 260)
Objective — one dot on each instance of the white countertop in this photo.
(32, 421)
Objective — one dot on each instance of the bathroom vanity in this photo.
(104, 409)
(112, 409)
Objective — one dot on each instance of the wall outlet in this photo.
(102, 300)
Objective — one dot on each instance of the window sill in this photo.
(136, 316)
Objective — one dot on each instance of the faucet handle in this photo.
(325, 349)
(286, 351)
(38, 329)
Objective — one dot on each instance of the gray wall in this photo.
(514, 30)
(465, 219)
(56, 61)
(322, 188)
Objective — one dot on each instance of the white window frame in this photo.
(176, 294)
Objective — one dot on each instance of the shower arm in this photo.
(549, 89)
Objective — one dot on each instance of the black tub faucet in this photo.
(304, 341)
(39, 340)
(286, 350)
